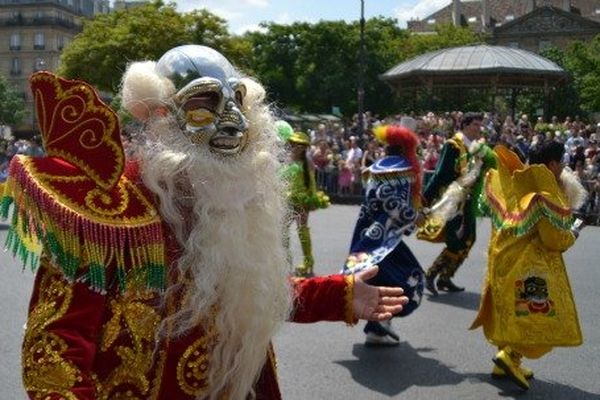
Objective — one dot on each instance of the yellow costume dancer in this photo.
(527, 306)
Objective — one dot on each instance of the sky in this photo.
(245, 15)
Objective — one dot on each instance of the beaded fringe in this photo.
(82, 248)
(520, 223)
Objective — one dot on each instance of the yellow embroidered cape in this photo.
(527, 298)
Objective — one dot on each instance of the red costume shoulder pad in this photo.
(76, 204)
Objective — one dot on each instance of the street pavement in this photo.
(438, 357)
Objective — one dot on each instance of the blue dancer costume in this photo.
(387, 214)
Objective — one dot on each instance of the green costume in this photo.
(303, 197)
(456, 188)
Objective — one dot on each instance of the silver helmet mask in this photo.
(209, 97)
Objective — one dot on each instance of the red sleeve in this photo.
(60, 337)
(327, 298)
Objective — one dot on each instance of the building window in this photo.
(60, 42)
(15, 67)
(472, 19)
(39, 64)
(15, 41)
(39, 41)
(513, 45)
(544, 44)
(509, 17)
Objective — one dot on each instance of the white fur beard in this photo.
(227, 213)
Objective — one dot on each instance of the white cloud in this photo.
(257, 3)
(418, 10)
(232, 6)
(250, 28)
(284, 19)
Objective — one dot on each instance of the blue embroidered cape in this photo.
(386, 216)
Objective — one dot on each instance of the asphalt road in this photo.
(438, 358)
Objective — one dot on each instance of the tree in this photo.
(583, 61)
(100, 53)
(211, 30)
(446, 35)
(566, 90)
(12, 106)
(312, 67)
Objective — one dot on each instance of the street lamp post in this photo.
(361, 71)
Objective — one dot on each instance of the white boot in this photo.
(387, 327)
(374, 340)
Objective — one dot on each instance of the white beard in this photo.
(227, 214)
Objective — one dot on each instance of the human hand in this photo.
(375, 303)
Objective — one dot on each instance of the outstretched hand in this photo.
(375, 303)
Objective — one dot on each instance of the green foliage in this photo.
(100, 53)
(211, 30)
(566, 90)
(313, 67)
(12, 105)
(583, 61)
(447, 35)
(581, 93)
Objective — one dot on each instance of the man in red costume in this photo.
(166, 277)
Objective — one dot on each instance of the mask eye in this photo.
(239, 97)
(199, 117)
(240, 92)
(207, 100)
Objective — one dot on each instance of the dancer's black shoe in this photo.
(430, 284)
(446, 285)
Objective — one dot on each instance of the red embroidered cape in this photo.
(102, 251)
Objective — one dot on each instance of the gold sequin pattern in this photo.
(192, 368)
(131, 316)
(45, 370)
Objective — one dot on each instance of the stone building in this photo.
(528, 24)
(32, 36)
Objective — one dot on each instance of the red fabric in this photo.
(320, 299)
(66, 183)
(79, 327)
(84, 326)
(77, 126)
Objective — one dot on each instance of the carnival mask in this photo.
(536, 289)
(209, 97)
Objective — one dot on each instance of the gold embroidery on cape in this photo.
(81, 99)
(192, 368)
(139, 321)
(109, 213)
(45, 371)
(541, 330)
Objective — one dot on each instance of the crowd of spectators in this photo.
(11, 147)
(340, 153)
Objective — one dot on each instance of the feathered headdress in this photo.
(407, 140)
